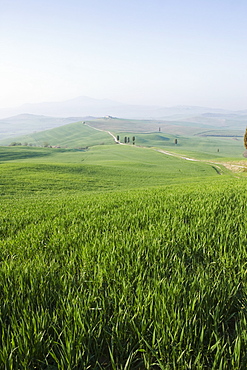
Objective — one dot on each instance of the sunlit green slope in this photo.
(120, 257)
(73, 135)
(220, 144)
(105, 167)
(195, 146)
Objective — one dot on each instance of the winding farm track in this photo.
(217, 168)
(234, 167)
(108, 132)
(229, 165)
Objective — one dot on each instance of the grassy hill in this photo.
(24, 124)
(118, 126)
(226, 125)
(108, 167)
(216, 147)
(210, 144)
(71, 135)
(188, 126)
(119, 256)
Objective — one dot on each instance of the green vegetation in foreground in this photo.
(143, 279)
(151, 276)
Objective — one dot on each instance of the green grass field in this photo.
(210, 148)
(73, 135)
(102, 168)
(121, 257)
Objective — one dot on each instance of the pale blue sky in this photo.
(189, 52)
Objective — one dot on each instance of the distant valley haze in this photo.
(87, 106)
(112, 115)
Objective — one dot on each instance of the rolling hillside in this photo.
(73, 135)
(121, 256)
(106, 167)
(196, 141)
(27, 128)
(24, 124)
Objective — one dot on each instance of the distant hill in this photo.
(73, 135)
(85, 106)
(80, 107)
(23, 124)
(186, 127)
(40, 130)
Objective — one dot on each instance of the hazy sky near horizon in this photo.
(156, 52)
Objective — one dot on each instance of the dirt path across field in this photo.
(232, 166)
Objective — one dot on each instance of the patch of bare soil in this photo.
(240, 166)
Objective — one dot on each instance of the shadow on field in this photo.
(217, 169)
(10, 154)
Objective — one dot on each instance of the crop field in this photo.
(208, 148)
(102, 168)
(141, 279)
(121, 257)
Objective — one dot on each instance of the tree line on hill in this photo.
(45, 145)
(127, 139)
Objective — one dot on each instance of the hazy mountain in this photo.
(29, 118)
(16, 127)
(81, 106)
(85, 106)
(27, 123)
